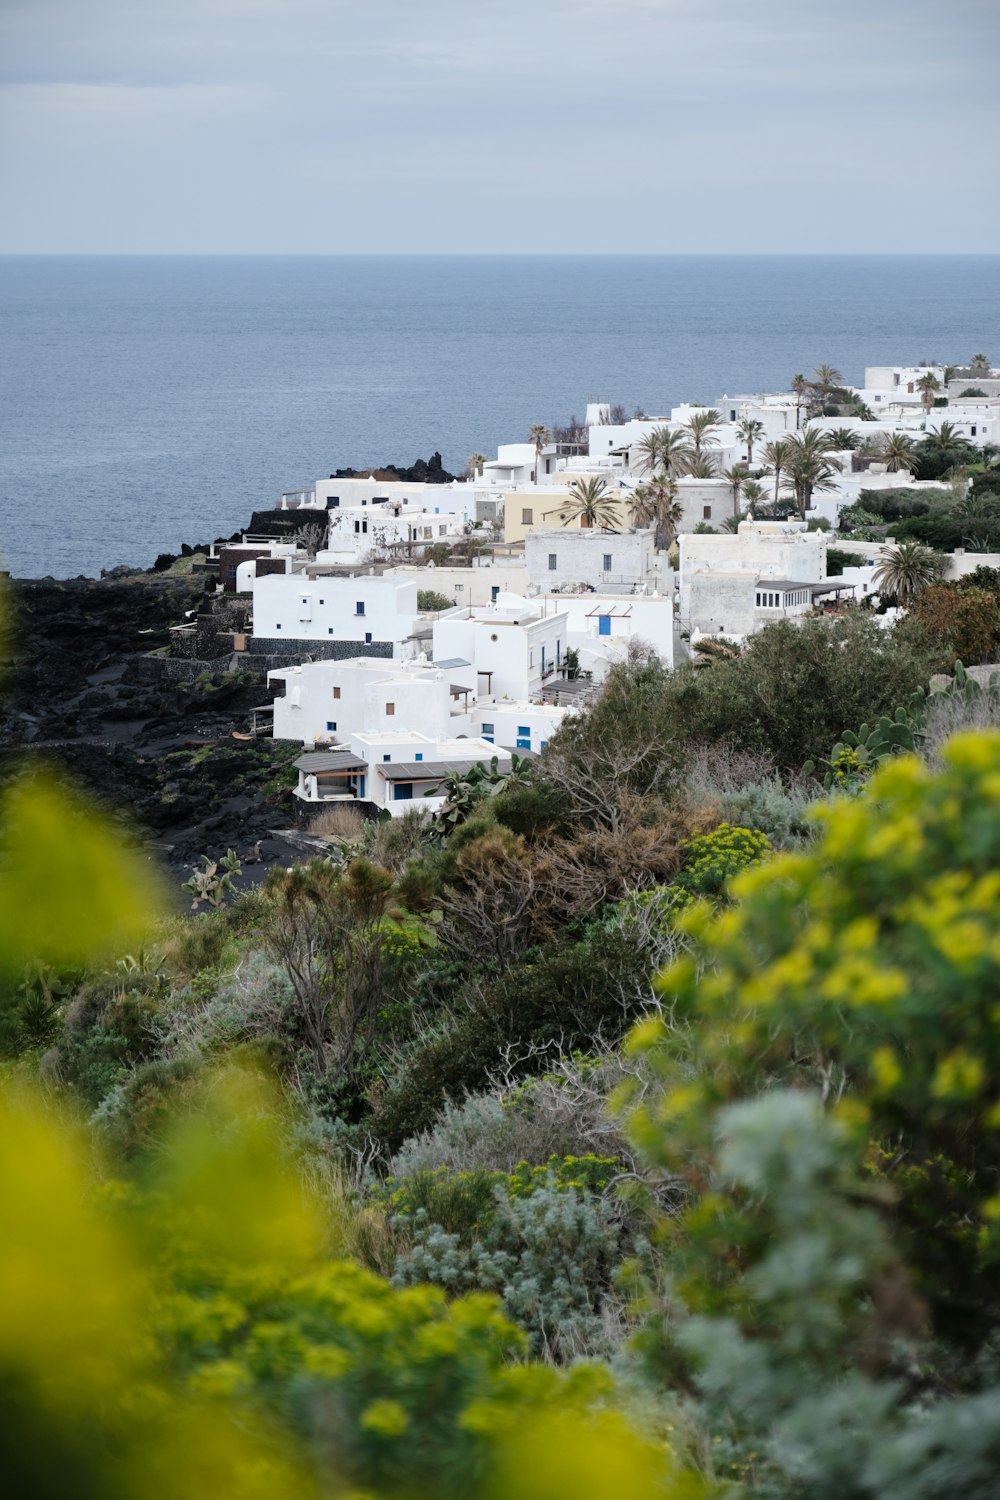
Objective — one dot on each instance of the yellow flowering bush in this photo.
(866, 968)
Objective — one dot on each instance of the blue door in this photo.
(603, 624)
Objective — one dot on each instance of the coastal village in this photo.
(405, 631)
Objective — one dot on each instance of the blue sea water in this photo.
(147, 401)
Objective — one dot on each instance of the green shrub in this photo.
(549, 1254)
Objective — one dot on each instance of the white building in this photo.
(518, 726)
(364, 609)
(480, 584)
(331, 700)
(392, 771)
(513, 644)
(567, 557)
(359, 533)
(731, 585)
(457, 498)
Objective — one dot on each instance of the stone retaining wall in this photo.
(296, 650)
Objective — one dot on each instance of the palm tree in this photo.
(642, 505)
(649, 450)
(828, 378)
(800, 386)
(905, 570)
(843, 437)
(753, 493)
(897, 453)
(702, 430)
(705, 467)
(776, 456)
(656, 504)
(808, 466)
(750, 430)
(736, 477)
(668, 512)
(592, 507)
(928, 385)
(980, 364)
(538, 434)
(676, 453)
(473, 464)
(712, 648)
(948, 447)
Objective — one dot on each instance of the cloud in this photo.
(256, 115)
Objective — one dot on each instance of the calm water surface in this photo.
(149, 401)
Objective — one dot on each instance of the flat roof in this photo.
(330, 760)
(828, 586)
(432, 770)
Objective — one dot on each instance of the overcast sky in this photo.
(325, 126)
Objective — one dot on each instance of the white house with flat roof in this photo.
(363, 608)
(732, 585)
(518, 726)
(480, 584)
(514, 645)
(394, 771)
(331, 700)
(360, 533)
(567, 556)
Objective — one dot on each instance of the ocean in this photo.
(148, 401)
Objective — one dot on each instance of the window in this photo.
(548, 466)
(404, 791)
(357, 527)
(542, 744)
(973, 431)
(368, 637)
(359, 608)
(336, 692)
(322, 601)
(419, 755)
(329, 630)
(331, 724)
(732, 415)
(553, 562)
(607, 562)
(487, 728)
(524, 744)
(603, 624)
(524, 729)
(386, 759)
(442, 531)
(277, 627)
(558, 651)
(364, 527)
(706, 512)
(527, 516)
(494, 595)
(390, 709)
(460, 588)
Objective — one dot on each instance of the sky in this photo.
(499, 126)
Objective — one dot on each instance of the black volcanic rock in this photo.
(424, 471)
(159, 756)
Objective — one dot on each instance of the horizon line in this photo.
(499, 255)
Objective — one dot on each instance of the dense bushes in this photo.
(789, 692)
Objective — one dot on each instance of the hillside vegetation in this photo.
(631, 1127)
